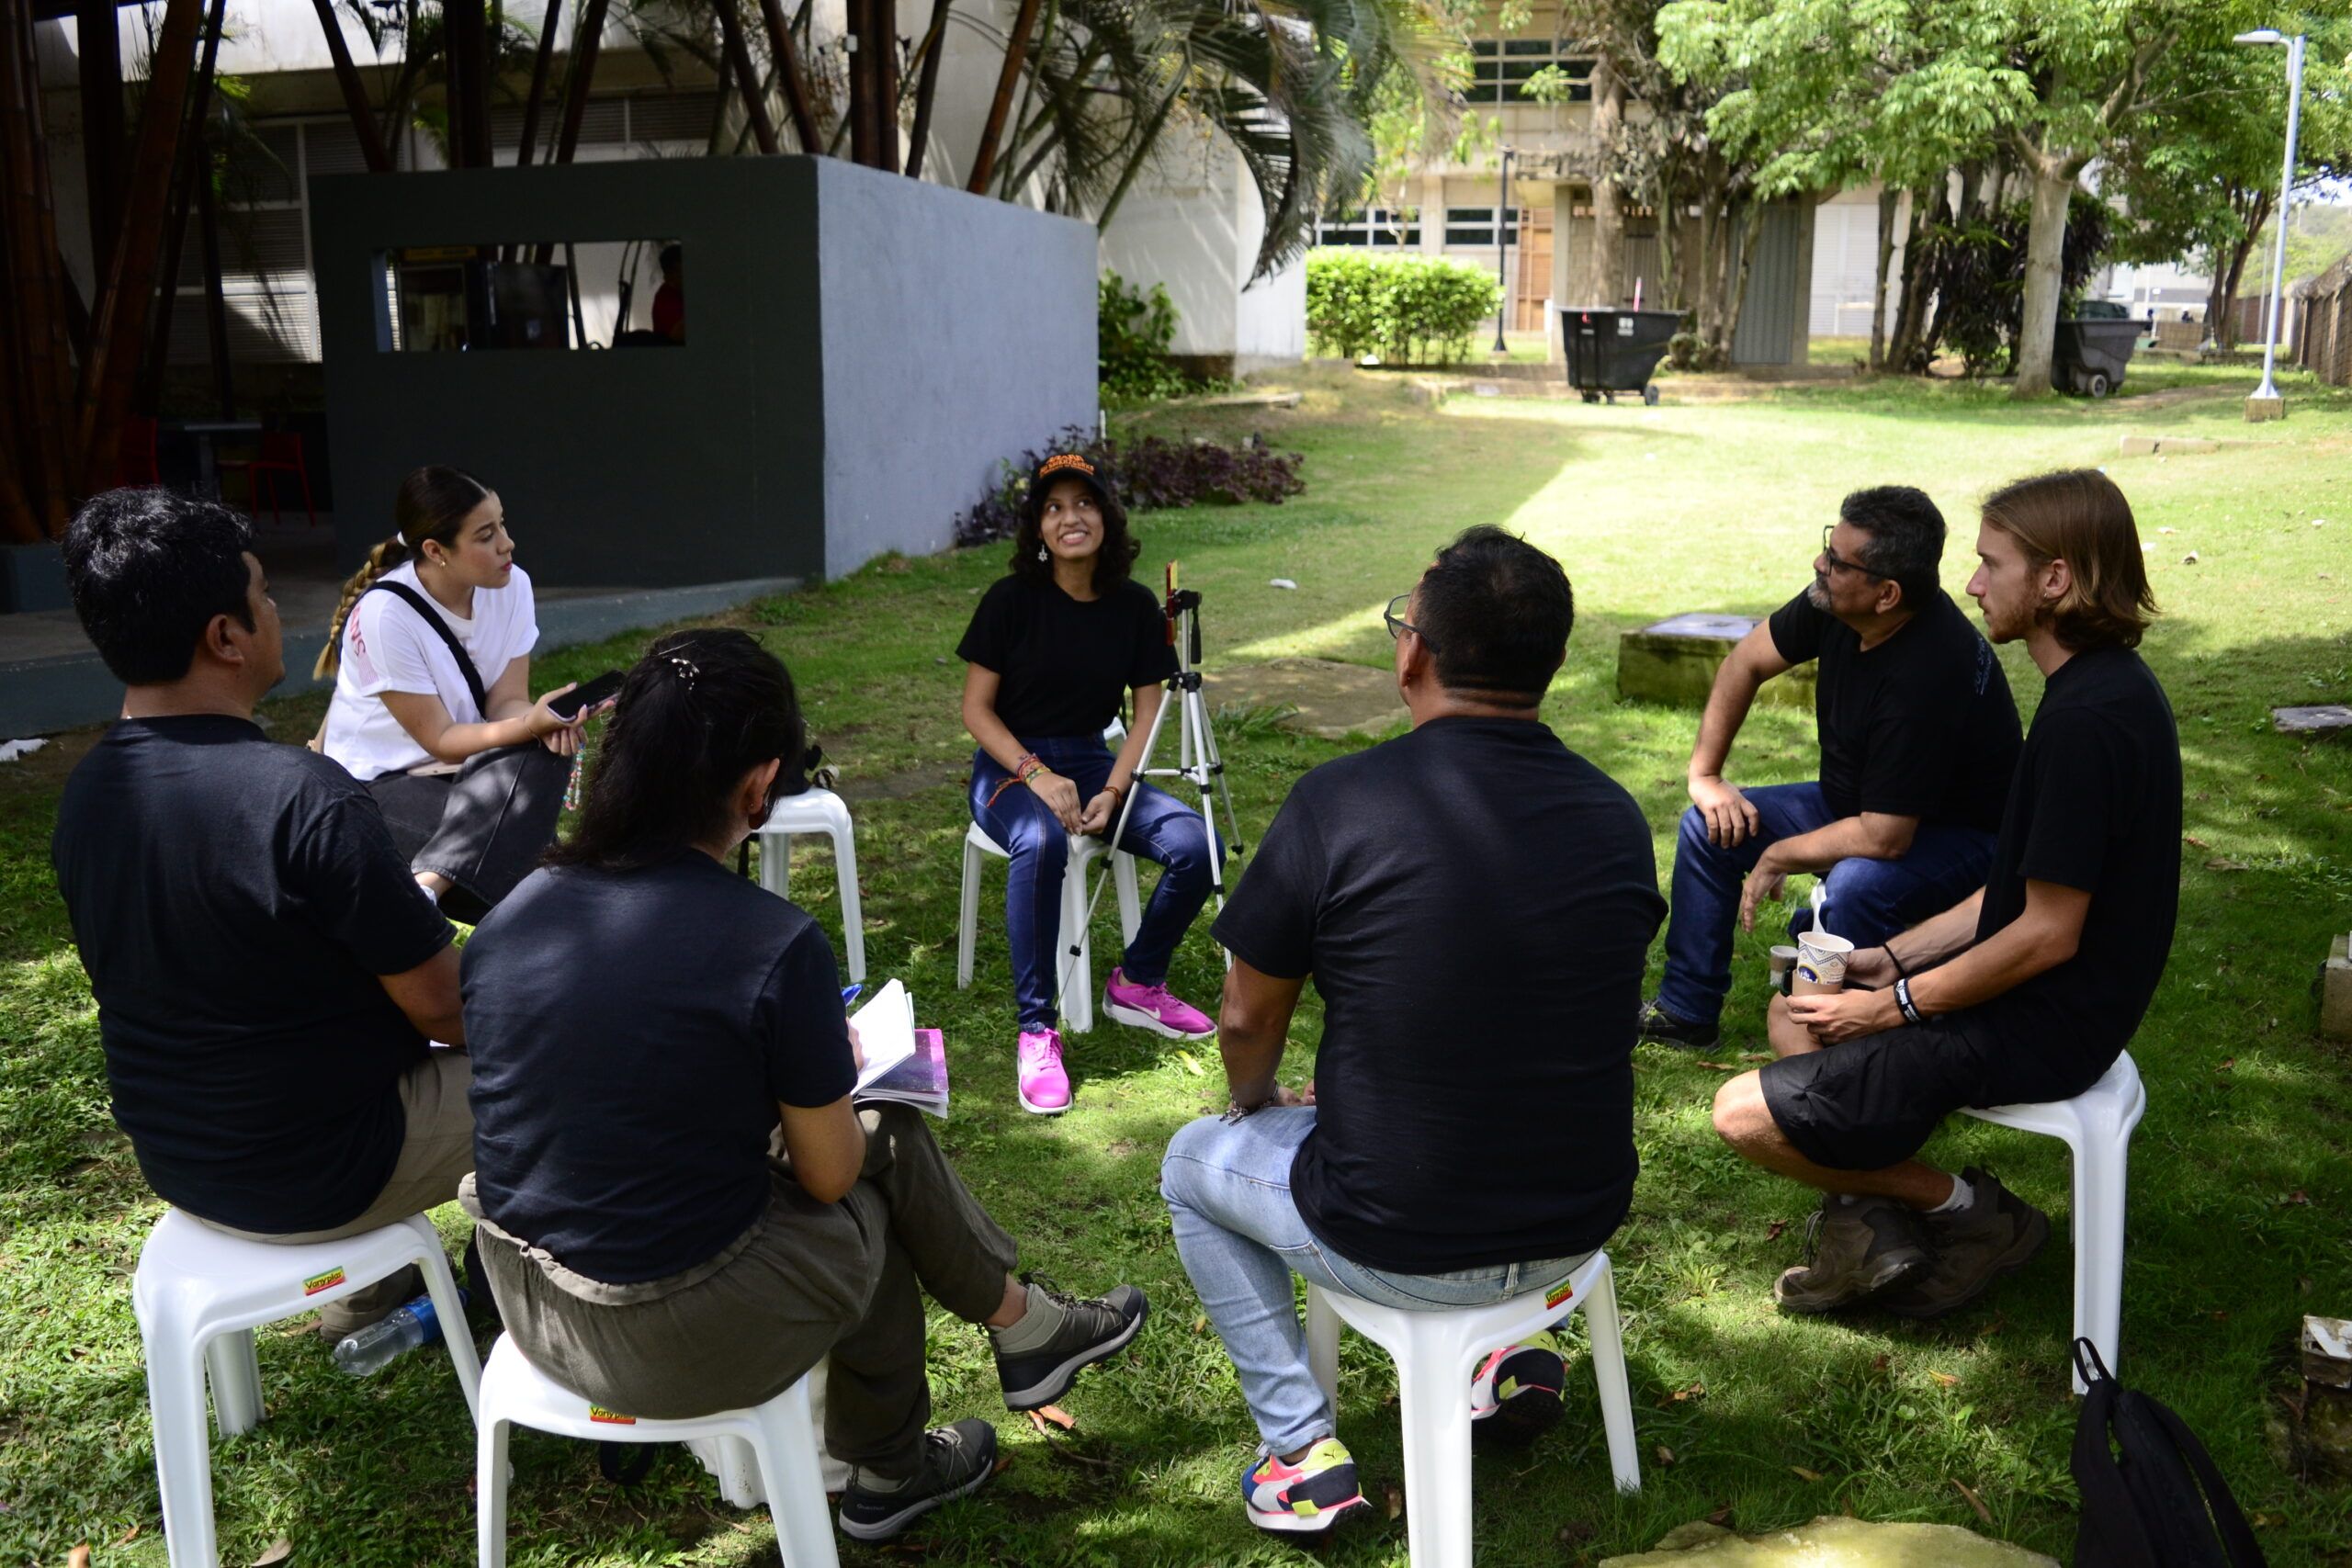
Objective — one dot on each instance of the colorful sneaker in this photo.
(1515, 1398)
(1154, 1007)
(1305, 1498)
(1045, 1084)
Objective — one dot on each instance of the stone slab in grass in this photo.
(1832, 1542)
(1329, 699)
(2326, 718)
(1674, 662)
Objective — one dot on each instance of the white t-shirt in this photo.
(387, 648)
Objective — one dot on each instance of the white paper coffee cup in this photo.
(1784, 960)
(1821, 964)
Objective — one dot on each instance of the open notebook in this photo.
(902, 1063)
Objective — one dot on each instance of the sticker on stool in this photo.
(326, 1281)
(610, 1417)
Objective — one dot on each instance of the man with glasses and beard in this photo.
(1919, 738)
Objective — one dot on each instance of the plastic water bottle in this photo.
(372, 1349)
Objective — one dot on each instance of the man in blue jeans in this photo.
(1474, 902)
(1919, 738)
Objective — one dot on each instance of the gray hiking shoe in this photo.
(957, 1462)
(1854, 1248)
(1996, 1234)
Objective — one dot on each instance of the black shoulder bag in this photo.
(415, 600)
(2152, 1496)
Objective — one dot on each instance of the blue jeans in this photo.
(1242, 1237)
(1868, 900)
(1160, 827)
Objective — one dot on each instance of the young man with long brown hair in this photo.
(2025, 992)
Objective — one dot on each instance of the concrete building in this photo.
(1193, 221)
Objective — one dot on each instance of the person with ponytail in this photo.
(431, 655)
(1051, 650)
(680, 1206)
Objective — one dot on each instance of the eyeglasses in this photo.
(1838, 563)
(1398, 626)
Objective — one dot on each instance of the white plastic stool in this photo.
(782, 1446)
(2097, 1126)
(199, 1294)
(817, 811)
(1436, 1354)
(1076, 992)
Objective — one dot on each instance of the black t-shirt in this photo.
(1474, 902)
(1063, 666)
(235, 901)
(2096, 806)
(1920, 726)
(632, 1034)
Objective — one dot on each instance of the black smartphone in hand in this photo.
(585, 695)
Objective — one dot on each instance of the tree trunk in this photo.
(101, 80)
(120, 331)
(464, 33)
(1016, 51)
(1889, 198)
(193, 165)
(38, 366)
(786, 56)
(587, 40)
(1607, 205)
(2045, 245)
(542, 65)
(738, 55)
(354, 92)
(216, 304)
(934, 48)
(2222, 314)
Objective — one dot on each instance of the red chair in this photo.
(281, 453)
(136, 464)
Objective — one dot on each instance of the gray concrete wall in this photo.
(958, 331)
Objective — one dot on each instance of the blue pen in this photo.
(850, 993)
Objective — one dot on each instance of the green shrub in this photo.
(1132, 331)
(1413, 310)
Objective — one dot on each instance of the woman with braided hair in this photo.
(431, 655)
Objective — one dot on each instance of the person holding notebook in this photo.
(680, 1207)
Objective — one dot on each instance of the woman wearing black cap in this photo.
(1050, 650)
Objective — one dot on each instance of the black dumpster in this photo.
(1611, 350)
(2089, 354)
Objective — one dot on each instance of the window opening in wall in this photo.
(1379, 226)
(526, 295)
(1474, 226)
(1501, 67)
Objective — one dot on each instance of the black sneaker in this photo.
(1658, 1025)
(1997, 1234)
(957, 1462)
(1092, 1331)
(1854, 1248)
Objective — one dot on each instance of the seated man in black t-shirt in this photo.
(268, 971)
(1473, 902)
(2026, 991)
(1919, 737)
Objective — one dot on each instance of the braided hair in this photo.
(433, 503)
(700, 710)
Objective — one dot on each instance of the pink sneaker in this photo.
(1045, 1086)
(1154, 1007)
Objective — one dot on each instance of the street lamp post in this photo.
(1502, 256)
(2266, 402)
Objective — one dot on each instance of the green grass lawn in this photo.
(2242, 1181)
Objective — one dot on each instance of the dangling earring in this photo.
(1041, 551)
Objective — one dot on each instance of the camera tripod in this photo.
(1199, 763)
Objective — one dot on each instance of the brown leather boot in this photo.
(1997, 1234)
(1855, 1248)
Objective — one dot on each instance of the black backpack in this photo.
(2152, 1497)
